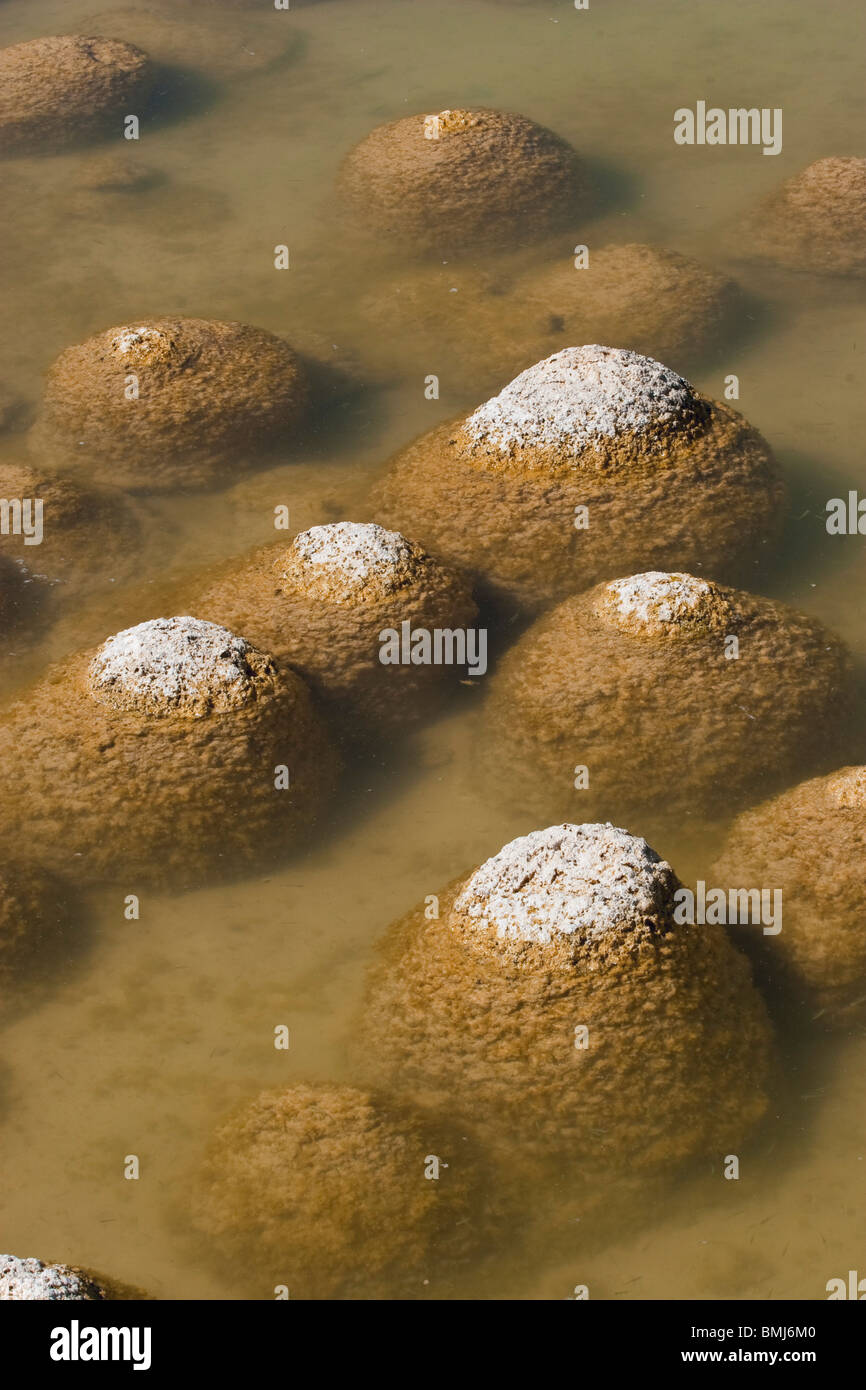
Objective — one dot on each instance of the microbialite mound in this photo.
(591, 463)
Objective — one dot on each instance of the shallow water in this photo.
(149, 1031)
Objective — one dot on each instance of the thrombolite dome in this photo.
(564, 929)
(64, 90)
(478, 324)
(280, 1193)
(459, 178)
(808, 843)
(322, 604)
(627, 679)
(158, 757)
(816, 221)
(166, 403)
(591, 462)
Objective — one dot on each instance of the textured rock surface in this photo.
(140, 762)
(632, 681)
(488, 177)
(817, 220)
(322, 1188)
(211, 396)
(668, 477)
(810, 843)
(487, 327)
(320, 604)
(567, 927)
(32, 1280)
(60, 91)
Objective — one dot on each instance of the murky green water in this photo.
(139, 1041)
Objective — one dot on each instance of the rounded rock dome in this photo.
(817, 220)
(157, 757)
(808, 844)
(623, 680)
(570, 928)
(278, 1196)
(64, 90)
(461, 178)
(169, 403)
(589, 463)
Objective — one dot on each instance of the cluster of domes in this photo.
(323, 604)
(592, 462)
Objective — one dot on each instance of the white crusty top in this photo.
(579, 395)
(567, 879)
(33, 1280)
(131, 339)
(655, 598)
(178, 665)
(351, 554)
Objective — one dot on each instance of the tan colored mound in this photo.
(89, 535)
(323, 1189)
(665, 475)
(226, 46)
(155, 758)
(61, 91)
(809, 842)
(462, 178)
(566, 929)
(322, 604)
(817, 220)
(632, 681)
(211, 396)
(473, 324)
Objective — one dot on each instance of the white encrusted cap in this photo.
(568, 879)
(345, 558)
(581, 395)
(656, 600)
(33, 1280)
(174, 666)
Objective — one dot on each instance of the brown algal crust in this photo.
(665, 723)
(322, 1187)
(816, 221)
(808, 842)
(98, 793)
(490, 176)
(679, 1053)
(34, 910)
(335, 645)
(64, 90)
(651, 300)
(708, 499)
(211, 396)
(89, 534)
